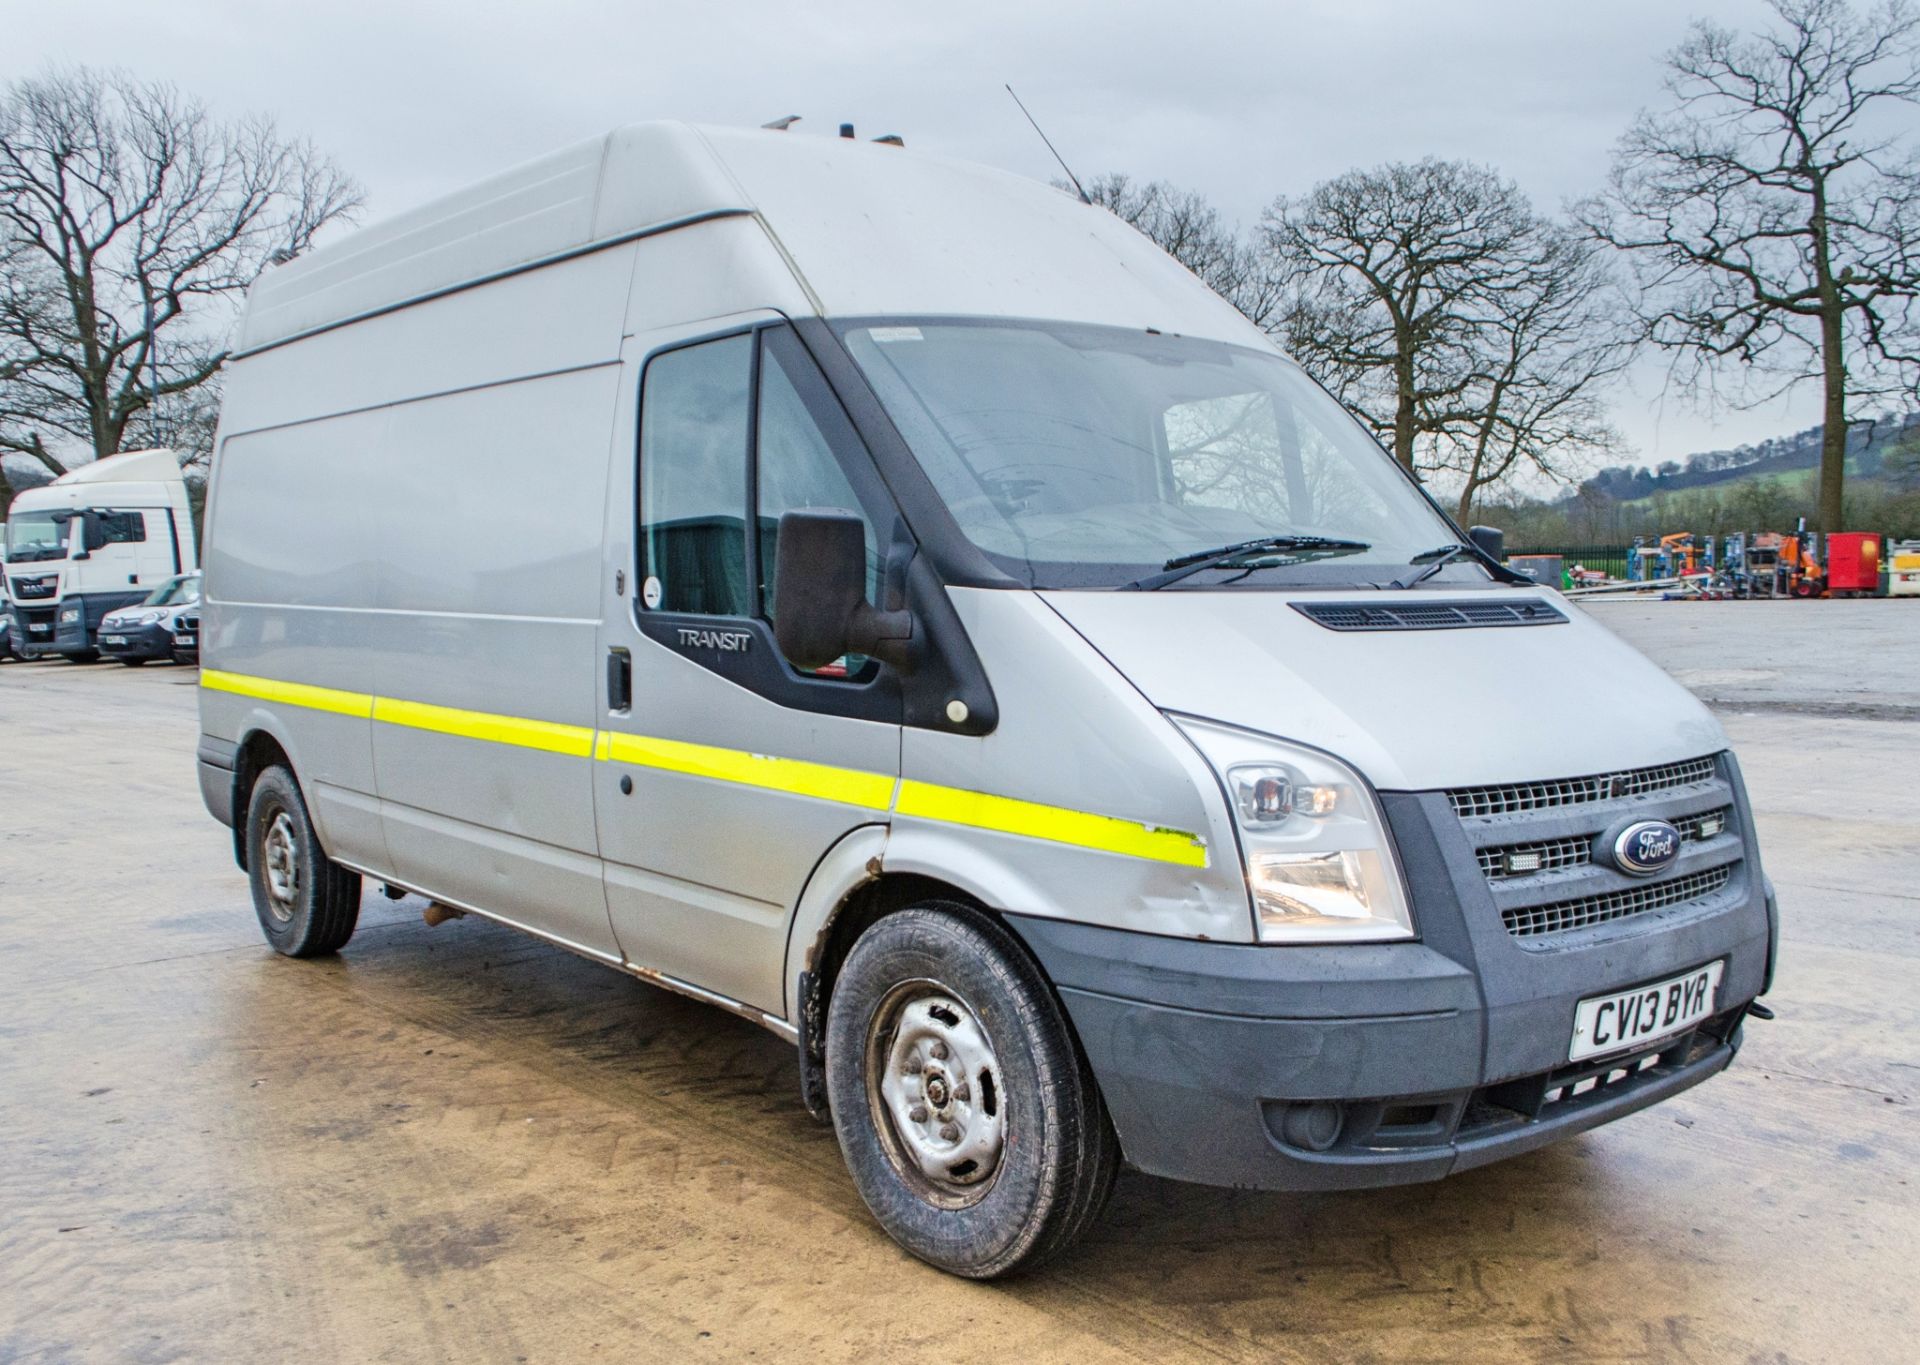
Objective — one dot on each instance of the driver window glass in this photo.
(115, 528)
(694, 408)
(797, 471)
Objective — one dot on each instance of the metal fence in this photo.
(1611, 559)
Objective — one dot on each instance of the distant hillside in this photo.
(1781, 455)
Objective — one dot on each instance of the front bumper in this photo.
(1340, 1066)
(1387, 1087)
(151, 641)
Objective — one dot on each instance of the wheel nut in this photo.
(949, 1133)
(918, 1113)
(939, 1051)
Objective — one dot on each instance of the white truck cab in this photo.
(895, 602)
(97, 538)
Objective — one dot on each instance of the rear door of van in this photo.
(725, 773)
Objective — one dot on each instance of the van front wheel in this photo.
(307, 904)
(968, 1118)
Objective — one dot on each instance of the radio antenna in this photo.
(1081, 189)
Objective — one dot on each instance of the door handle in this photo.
(619, 679)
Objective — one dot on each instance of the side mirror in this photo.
(1491, 541)
(820, 607)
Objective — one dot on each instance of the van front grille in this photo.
(1512, 798)
(1529, 921)
(1553, 855)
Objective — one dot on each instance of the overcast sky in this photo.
(1239, 99)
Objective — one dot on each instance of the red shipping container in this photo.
(1854, 559)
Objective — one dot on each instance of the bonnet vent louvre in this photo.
(1530, 611)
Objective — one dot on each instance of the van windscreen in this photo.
(1081, 456)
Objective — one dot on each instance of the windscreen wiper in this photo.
(1185, 566)
(1441, 556)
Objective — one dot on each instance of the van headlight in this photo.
(1319, 862)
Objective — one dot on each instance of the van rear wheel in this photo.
(307, 904)
(968, 1118)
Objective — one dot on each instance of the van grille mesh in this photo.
(1531, 920)
(1575, 791)
(1429, 615)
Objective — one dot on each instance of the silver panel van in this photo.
(893, 601)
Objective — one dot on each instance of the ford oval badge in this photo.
(1645, 847)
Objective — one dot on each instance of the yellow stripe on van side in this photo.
(798, 777)
(850, 786)
(1056, 824)
(573, 740)
(290, 693)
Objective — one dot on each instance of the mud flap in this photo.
(813, 1055)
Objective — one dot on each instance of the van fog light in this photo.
(1315, 1127)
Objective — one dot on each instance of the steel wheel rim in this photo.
(280, 862)
(935, 1092)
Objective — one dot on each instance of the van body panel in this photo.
(858, 858)
(941, 245)
(564, 317)
(1573, 697)
(562, 202)
(1076, 736)
(703, 279)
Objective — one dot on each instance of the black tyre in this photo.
(308, 906)
(133, 663)
(968, 1118)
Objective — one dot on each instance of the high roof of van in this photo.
(868, 229)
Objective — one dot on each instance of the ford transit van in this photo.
(893, 601)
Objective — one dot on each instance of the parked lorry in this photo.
(893, 601)
(97, 538)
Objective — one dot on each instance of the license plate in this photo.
(113, 639)
(39, 630)
(1614, 1023)
(184, 640)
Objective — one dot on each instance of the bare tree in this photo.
(1544, 354)
(1472, 334)
(131, 222)
(1391, 269)
(1188, 228)
(1774, 211)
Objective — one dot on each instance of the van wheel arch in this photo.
(258, 752)
(865, 906)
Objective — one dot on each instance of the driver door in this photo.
(725, 773)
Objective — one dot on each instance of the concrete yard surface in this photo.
(457, 1143)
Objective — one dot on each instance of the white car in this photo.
(145, 631)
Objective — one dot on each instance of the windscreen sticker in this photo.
(885, 334)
